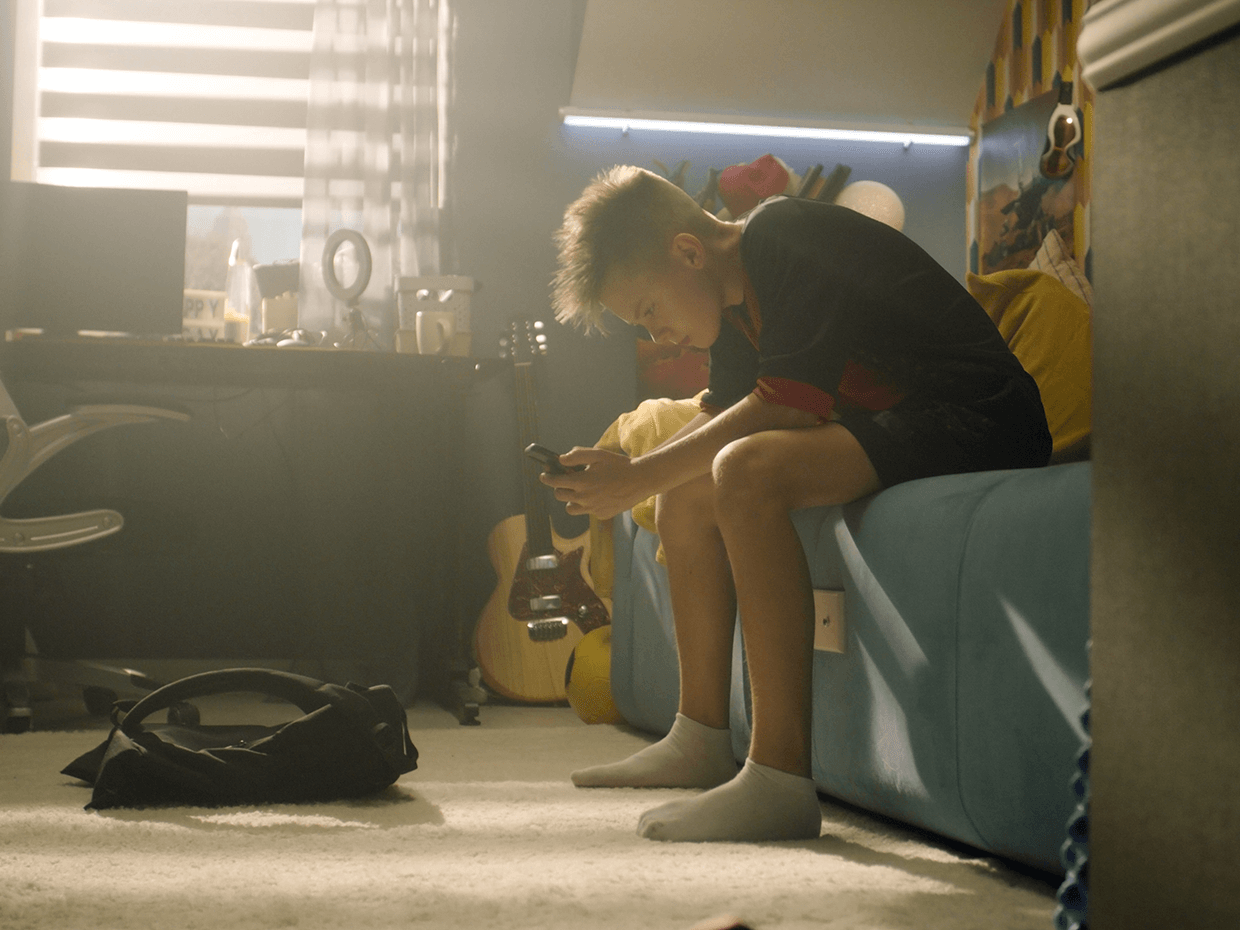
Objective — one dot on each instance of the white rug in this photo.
(488, 832)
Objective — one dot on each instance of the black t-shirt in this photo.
(842, 311)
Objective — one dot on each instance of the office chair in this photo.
(28, 448)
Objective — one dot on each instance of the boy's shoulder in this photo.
(801, 225)
(780, 212)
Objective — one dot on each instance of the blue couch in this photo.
(956, 704)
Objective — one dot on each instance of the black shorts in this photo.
(921, 438)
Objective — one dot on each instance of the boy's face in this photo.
(679, 302)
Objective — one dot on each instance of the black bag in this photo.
(351, 741)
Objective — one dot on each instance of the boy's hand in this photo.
(609, 485)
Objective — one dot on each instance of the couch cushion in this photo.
(885, 710)
(645, 681)
(1024, 623)
(966, 609)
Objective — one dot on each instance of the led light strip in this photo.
(625, 123)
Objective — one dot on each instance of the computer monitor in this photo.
(103, 259)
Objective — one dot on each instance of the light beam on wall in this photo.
(689, 123)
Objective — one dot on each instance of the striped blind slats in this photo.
(227, 189)
(255, 13)
(205, 95)
(206, 111)
(121, 157)
(241, 62)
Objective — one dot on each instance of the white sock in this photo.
(692, 755)
(761, 803)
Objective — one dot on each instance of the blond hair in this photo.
(623, 222)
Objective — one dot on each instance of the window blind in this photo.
(207, 96)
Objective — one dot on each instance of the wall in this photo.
(871, 62)
(1165, 827)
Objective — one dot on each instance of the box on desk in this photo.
(202, 319)
(207, 318)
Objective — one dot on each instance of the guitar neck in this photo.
(533, 492)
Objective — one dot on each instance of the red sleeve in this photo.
(859, 387)
(796, 394)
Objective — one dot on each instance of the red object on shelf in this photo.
(743, 187)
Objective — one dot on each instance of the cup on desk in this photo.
(435, 331)
(236, 326)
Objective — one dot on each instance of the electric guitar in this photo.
(544, 602)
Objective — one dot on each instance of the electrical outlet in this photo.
(828, 621)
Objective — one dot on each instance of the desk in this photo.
(305, 511)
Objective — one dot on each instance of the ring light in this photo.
(330, 248)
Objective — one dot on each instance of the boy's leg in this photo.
(697, 753)
(759, 481)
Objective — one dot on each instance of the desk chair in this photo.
(28, 448)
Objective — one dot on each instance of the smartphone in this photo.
(549, 460)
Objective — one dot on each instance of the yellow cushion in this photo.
(1047, 328)
(636, 433)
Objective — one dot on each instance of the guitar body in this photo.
(544, 603)
(512, 663)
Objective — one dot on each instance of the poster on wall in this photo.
(1026, 181)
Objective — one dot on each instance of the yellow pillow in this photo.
(1047, 328)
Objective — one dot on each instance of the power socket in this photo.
(828, 621)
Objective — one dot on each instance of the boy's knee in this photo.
(746, 474)
(685, 508)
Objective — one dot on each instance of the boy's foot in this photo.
(761, 803)
(690, 756)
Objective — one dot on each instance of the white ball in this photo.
(877, 201)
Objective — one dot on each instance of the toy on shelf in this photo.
(733, 191)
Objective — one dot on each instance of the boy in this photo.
(843, 360)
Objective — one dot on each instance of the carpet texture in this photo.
(488, 832)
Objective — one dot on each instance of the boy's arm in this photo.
(613, 483)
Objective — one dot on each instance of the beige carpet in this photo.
(488, 832)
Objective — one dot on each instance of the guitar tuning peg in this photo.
(538, 324)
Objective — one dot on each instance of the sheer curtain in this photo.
(376, 148)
